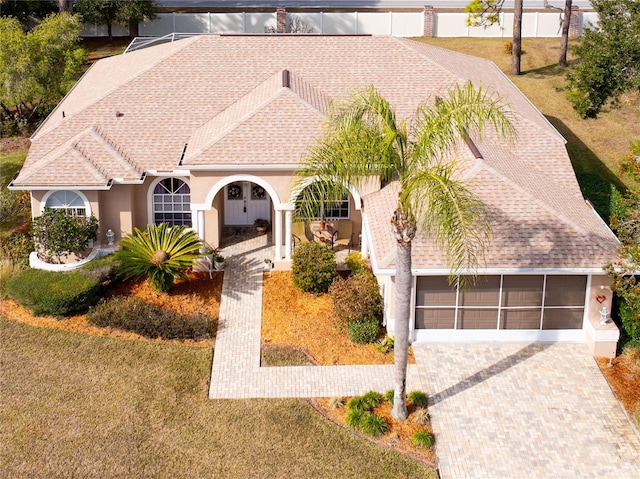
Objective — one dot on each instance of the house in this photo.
(206, 131)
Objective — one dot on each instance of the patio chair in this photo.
(299, 233)
(342, 235)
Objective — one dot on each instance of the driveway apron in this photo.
(499, 411)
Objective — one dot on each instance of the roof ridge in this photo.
(118, 152)
(238, 112)
(87, 157)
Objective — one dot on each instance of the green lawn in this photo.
(84, 406)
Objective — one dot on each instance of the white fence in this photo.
(399, 24)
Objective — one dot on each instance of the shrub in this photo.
(364, 331)
(373, 424)
(54, 293)
(421, 416)
(423, 439)
(149, 320)
(357, 403)
(104, 269)
(336, 403)
(372, 399)
(353, 418)
(161, 252)
(17, 247)
(385, 345)
(356, 263)
(630, 317)
(388, 396)
(356, 297)
(418, 399)
(313, 267)
(57, 233)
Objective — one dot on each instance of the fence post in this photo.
(429, 16)
(574, 21)
(281, 20)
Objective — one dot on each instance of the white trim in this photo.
(357, 199)
(241, 167)
(59, 188)
(498, 335)
(152, 185)
(208, 204)
(87, 204)
(168, 173)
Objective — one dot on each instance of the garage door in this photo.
(502, 302)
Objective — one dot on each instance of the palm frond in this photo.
(465, 111)
(451, 213)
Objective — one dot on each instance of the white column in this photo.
(199, 225)
(287, 238)
(364, 251)
(278, 239)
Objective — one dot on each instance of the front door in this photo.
(244, 203)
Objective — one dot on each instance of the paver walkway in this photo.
(499, 411)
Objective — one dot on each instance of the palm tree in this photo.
(161, 251)
(364, 139)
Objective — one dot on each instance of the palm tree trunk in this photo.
(401, 329)
(564, 42)
(517, 37)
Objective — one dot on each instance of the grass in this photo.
(283, 356)
(595, 145)
(84, 406)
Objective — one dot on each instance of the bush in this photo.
(373, 424)
(421, 416)
(630, 317)
(336, 402)
(17, 247)
(418, 399)
(357, 403)
(149, 320)
(356, 263)
(388, 396)
(54, 293)
(364, 331)
(423, 439)
(356, 297)
(104, 269)
(372, 399)
(353, 418)
(313, 267)
(57, 233)
(385, 345)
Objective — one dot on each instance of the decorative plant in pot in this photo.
(218, 261)
(261, 225)
(268, 265)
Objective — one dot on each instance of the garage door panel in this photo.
(522, 290)
(435, 318)
(486, 292)
(563, 318)
(477, 318)
(520, 319)
(435, 291)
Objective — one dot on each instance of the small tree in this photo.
(57, 233)
(39, 67)
(162, 252)
(110, 12)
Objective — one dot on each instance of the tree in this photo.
(110, 12)
(162, 252)
(564, 39)
(39, 67)
(364, 139)
(609, 64)
(57, 233)
(487, 12)
(29, 12)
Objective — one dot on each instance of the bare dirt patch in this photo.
(200, 295)
(14, 143)
(304, 320)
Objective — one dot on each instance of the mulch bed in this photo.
(624, 379)
(200, 295)
(306, 321)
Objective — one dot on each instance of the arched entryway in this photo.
(244, 203)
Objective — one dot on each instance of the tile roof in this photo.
(260, 101)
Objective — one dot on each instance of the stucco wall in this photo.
(117, 212)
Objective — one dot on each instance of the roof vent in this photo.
(285, 79)
(119, 114)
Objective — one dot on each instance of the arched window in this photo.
(70, 201)
(171, 202)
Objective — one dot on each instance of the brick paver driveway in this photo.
(525, 411)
